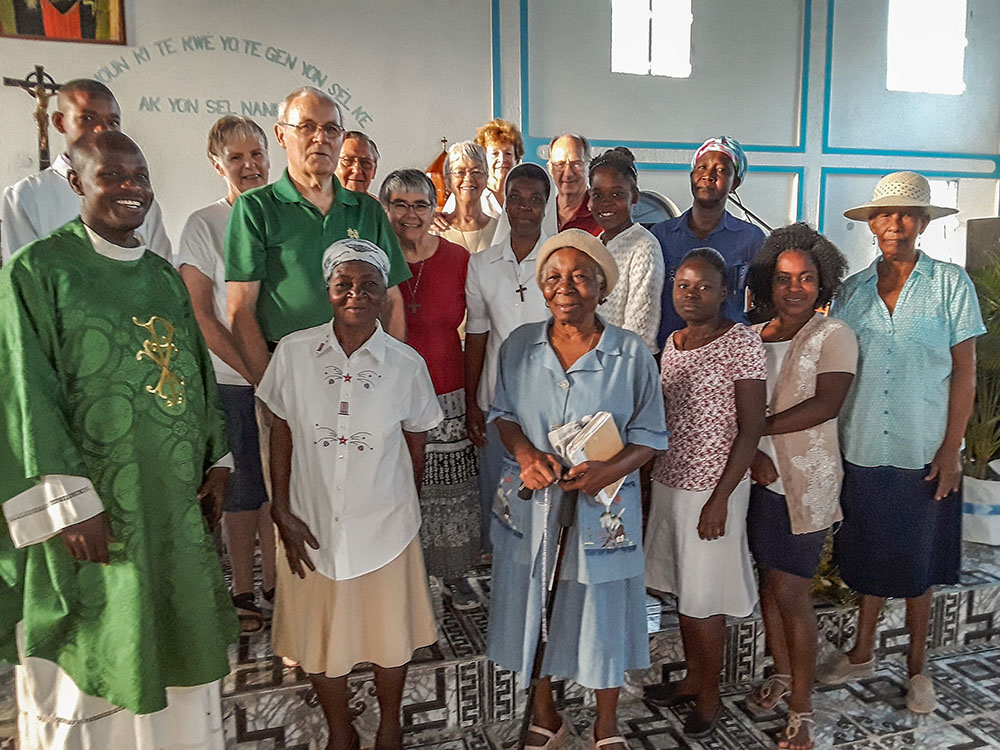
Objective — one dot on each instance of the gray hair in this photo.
(584, 144)
(469, 150)
(307, 91)
(407, 181)
(232, 126)
(357, 135)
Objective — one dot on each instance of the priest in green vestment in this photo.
(112, 453)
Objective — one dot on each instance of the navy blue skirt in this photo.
(896, 539)
(772, 543)
(245, 490)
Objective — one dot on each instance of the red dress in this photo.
(434, 303)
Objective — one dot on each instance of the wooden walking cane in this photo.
(567, 515)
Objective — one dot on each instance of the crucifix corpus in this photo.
(42, 87)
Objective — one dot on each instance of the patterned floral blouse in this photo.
(700, 394)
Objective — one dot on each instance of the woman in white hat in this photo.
(901, 427)
(552, 373)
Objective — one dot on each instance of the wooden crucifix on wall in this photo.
(42, 87)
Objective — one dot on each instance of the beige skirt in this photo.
(329, 626)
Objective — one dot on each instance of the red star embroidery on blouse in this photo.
(347, 378)
(343, 441)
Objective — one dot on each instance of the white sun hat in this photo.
(900, 190)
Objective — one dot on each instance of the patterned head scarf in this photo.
(343, 251)
(728, 146)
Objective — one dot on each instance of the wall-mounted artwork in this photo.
(99, 21)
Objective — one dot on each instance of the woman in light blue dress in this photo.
(552, 373)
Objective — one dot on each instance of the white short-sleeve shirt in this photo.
(202, 246)
(495, 306)
(352, 477)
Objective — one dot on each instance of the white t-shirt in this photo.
(775, 351)
(202, 246)
(352, 477)
(42, 202)
(495, 306)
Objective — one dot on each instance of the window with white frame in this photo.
(651, 37)
(925, 46)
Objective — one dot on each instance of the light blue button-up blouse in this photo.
(619, 376)
(897, 409)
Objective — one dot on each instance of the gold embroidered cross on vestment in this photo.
(159, 349)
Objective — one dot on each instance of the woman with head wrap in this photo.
(902, 426)
(811, 360)
(718, 167)
(634, 302)
(552, 373)
(351, 407)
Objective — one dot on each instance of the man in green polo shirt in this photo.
(277, 234)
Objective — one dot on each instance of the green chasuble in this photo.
(106, 376)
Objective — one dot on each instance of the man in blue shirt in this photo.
(717, 168)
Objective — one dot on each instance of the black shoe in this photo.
(695, 727)
(665, 695)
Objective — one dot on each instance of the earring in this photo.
(874, 240)
(919, 239)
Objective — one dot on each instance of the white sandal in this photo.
(616, 740)
(552, 739)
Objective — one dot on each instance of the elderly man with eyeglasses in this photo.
(569, 157)
(277, 235)
(358, 162)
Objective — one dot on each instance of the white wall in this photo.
(418, 71)
(388, 63)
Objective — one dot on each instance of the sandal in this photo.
(795, 723)
(769, 693)
(552, 739)
(248, 613)
(609, 741)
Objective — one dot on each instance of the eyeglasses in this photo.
(368, 165)
(576, 165)
(476, 174)
(308, 129)
(401, 207)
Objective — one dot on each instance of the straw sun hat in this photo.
(900, 190)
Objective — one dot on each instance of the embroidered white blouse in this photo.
(352, 477)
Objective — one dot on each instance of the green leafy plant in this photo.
(982, 436)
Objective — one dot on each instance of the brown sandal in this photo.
(248, 613)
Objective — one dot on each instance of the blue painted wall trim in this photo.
(497, 79)
(825, 172)
(531, 142)
(827, 107)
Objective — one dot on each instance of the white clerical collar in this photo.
(61, 166)
(113, 251)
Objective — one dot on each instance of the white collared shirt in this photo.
(495, 306)
(352, 477)
(42, 202)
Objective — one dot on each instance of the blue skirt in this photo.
(598, 630)
(772, 543)
(896, 539)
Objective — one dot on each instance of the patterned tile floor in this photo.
(865, 714)
(268, 707)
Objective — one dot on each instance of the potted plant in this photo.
(981, 484)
